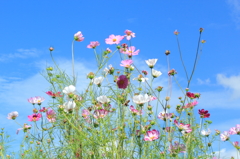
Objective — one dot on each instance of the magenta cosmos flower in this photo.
(151, 135)
(129, 34)
(114, 39)
(184, 128)
(78, 36)
(93, 44)
(34, 117)
(54, 95)
(36, 100)
(130, 51)
(51, 115)
(126, 63)
(122, 82)
(203, 113)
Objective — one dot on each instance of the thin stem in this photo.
(180, 52)
(73, 74)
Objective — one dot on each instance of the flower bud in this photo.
(51, 49)
(167, 52)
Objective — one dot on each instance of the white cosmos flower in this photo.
(107, 70)
(206, 132)
(140, 79)
(69, 89)
(13, 115)
(141, 99)
(151, 62)
(156, 73)
(98, 80)
(69, 106)
(103, 99)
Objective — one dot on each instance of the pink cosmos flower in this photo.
(12, 115)
(51, 115)
(203, 113)
(164, 116)
(135, 111)
(25, 128)
(172, 72)
(235, 130)
(100, 113)
(126, 63)
(78, 36)
(190, 105)
(129, 34)
(93, 44)
(54, 95)
(85, 113)
(236, 144)
(151, 135)
(225, 136)
(122, 82)
(130, 51)
(184, 128)
(153, 98)
(114, 39)
(34, 117)
(36, 100)
(177, 148)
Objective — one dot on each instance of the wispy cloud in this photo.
(235, 8)
(231, 83)
(202, 82)
(20, 53)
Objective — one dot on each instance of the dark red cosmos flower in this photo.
(122, 82)
(203, 113)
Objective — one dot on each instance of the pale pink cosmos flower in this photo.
(177, 148)
(36, 100)
(190, 105)
(164, 115)
(122, 82)
(93, 44)
(78, 36)
(129, 34)
(51, 115)
(184, 128)
(12, 115)
(153, 98)
(114, 39)
(126, 63)
(25, 128)
(235, 130)
(130, 51)
(151, 135)
(34, 117)
(85, 113)
(225, 136)
(135, 111)
(100, 113)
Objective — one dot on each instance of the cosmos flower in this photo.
(114, 39)
(78, 36)
(151, 135)
(156, 73)
(151, 62)
(69, 106)
(34, 117)
(103, 99)
(129, 34)
(36, 100)
(93, 44)
(126, 63)
(51, 115)
(141, 99)
(122, 82)
(12, 115)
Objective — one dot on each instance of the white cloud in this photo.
(20, 53)
(235, 8)
(227, 154)
(201, 82)
(231, 83)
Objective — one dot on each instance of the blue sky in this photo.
(28, 28)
